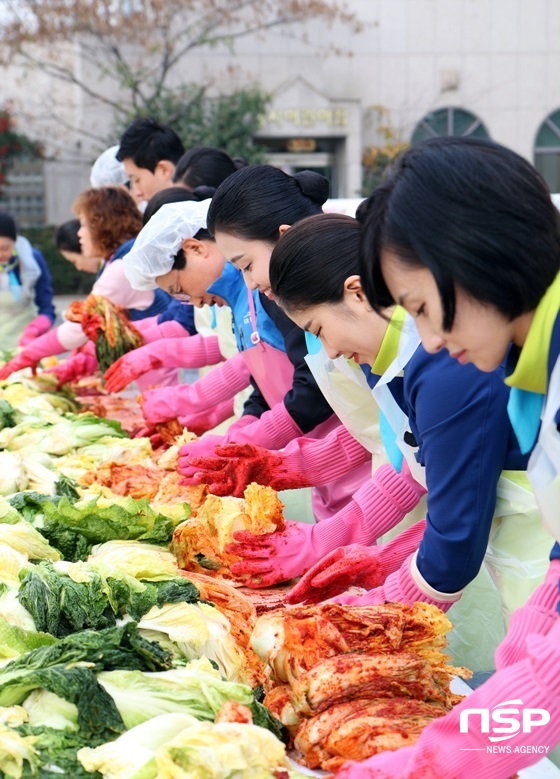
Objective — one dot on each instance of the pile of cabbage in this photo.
(111, 664)
(43, 436)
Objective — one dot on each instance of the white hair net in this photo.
(160, 239)
(107, 171)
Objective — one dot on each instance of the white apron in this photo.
(16, 303)
(544, 465)
(329, 499)
(513, 568)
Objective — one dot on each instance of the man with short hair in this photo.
(149, 152)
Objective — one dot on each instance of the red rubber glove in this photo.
(275, 557)
(206, 447)
(82, 362)
(41, 324)
(355, 566)
(130, 366)
(222, 383)
(192, 352)
(443, 750)
(536, 616)
(305, 462)
(237, 465)
(405, 585)
(273, 430)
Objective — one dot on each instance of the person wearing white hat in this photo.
(108, 171)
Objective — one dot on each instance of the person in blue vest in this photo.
(175, 252)
(463, 233)
(109, 223)
(26, 295)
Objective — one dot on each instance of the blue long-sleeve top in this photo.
(458, 418)
(553, 357)
(232, 288)
(179, 312)
(43, 292)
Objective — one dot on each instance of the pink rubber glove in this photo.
(305, 462)
(82, 362)
(34, 329)
(276, 557)
(536, 616)
(273, 430)
(402, 586)
(152, 331)
(444, 751)
(246, 419)
(196, 351)
(355, 566)
(222, 383)
(17, 363)
(43, 346)
(206, 420)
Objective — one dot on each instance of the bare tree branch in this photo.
(139, 44)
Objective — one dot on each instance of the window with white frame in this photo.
(449, 121)
(547, 151)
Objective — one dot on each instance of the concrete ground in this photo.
(61, 302)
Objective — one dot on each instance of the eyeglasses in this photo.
(182, 297)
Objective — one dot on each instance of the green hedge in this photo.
(66, 279)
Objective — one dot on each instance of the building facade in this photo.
(487, 68)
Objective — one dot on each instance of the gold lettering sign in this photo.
(301, 145)
(307, 117)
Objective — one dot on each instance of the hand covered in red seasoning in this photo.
(17, 364)
(345, 567)
(129, 367)
(237, 465)
(272, 558)
(356, 565)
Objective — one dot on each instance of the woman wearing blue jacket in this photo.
(464, 234)
(26, 295)
(449, 422)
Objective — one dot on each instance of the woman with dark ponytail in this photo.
(465, 234)
(248, 214)
(431, 404)
(205, 165)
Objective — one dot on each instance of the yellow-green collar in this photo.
(390, 344)
(531, 370)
